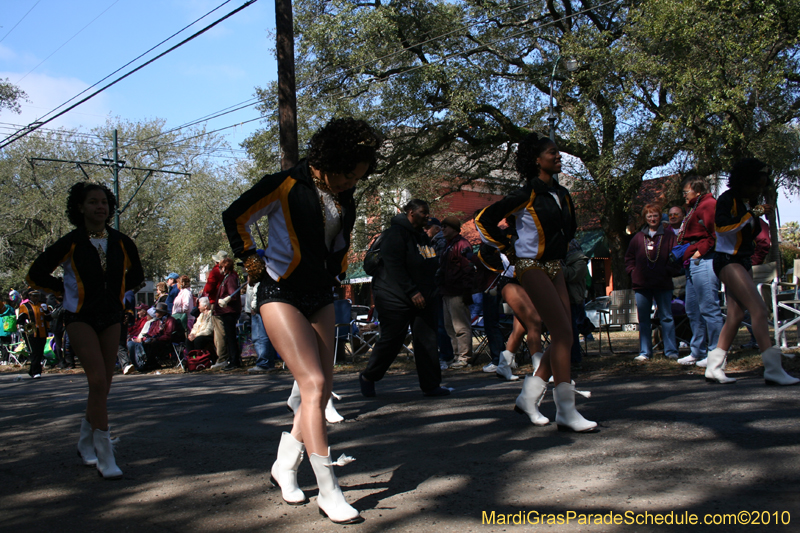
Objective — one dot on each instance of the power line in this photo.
(67, 41)
(137, 58)
(36, 125)
(20, 20)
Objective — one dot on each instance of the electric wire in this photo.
(67, 41)
(36, 125)
(20, 20)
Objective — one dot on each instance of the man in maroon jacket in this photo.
(457, 274)
(211, 288)
(162, 333)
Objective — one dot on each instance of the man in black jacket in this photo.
(405, 294)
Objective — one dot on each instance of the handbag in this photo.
(676, 254)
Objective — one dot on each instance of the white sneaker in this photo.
(36, 376)
(641, 358)
(127, 368)
(673, 356)
(688, 360)
(702, 363)
(443, 365)
(458, 364)
(216, 366)
(490, 368)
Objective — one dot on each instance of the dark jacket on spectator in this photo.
(457, 268)
(212, 284)
(656, 272)
(227, 286)
(409, 263)
(163, 329)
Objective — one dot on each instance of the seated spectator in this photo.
(163, 332)
(202, 335)
(184, 302)
(137, 332)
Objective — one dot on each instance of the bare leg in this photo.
(550, 298)
(307, 348)
(97, 354)
(741, 294)
(525, 315)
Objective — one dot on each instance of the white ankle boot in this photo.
(529, 400)
(504, 367)
(567, 417)
(293, 403)
(536, 359)
(106, 464)
(86, 444)
(331, 414)
(284, 469)
(331, 500)
(774, 374)
(714, 372)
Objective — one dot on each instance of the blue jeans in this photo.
(135, 349)
(644, 303)
(264, 349)
(702, 305)
(491, 324)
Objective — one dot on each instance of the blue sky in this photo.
(62, 47)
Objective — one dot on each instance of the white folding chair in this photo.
(785, 298)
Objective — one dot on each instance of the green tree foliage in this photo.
(10, 96)
(174, 219)
(455, 83)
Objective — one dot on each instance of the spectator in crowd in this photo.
(33, 317)
(651, 270)
(184, 302)
(702, 284)
(457, 274)
(210, 289)
(227, 311)
(173, 290)
(99, 264)
(405, 292)
(162, 293)
(137, 333)
(14, 298)
(163, 331)
(489, 270)
(202, 335)
(265, 352)
(8, 326)
(676, 215)
(434, 232)
(576, 267)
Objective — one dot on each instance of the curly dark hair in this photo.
(746, 172)
(342, 144)
(77, 195)
(416, 203)
(528, 151)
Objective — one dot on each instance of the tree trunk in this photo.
(614, 225)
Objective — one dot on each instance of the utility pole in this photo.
(115, 165)
(287, 91)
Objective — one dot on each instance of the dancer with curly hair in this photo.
(545, 220)
(99, 264)
(311, 214)
(738, 224)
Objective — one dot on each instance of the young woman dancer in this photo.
(737, 224)
(311, 214)
(99, 265)
(545, 219)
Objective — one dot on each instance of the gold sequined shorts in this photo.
(551, 268)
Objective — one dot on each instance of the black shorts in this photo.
(307, 302)
(99, 318)
(505, 280)
(721, 260)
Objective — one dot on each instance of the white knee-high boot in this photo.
(536, 360)
(504, 367)
(714, 372)
(774, 374)
(529, 400)
(331, 414)
(284, 469)
(86, 444)
(567, 416)
(106, 464)
(331, 501)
